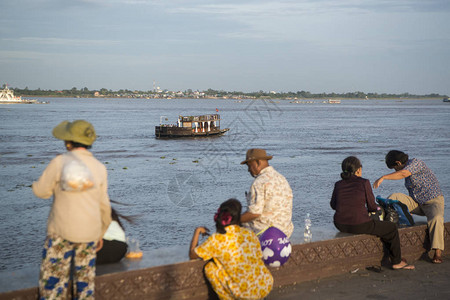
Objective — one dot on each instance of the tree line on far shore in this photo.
(210, 93)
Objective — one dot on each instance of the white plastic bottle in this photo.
(307, 235)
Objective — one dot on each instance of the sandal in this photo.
(406, 266)
(437, 260)
(374, 269)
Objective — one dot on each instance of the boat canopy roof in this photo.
(202, 118)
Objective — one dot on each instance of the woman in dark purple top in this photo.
(353, 200)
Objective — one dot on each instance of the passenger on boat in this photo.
(270, 197)
(425, 195)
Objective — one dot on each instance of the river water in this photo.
(176, 185)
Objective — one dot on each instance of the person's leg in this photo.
(212, 273)
(84, 275)
(55, 268)
(412, 205)
(434, 210)
(388, 233)
(364, 228)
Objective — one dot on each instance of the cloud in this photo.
(307, 7)
(123, 2)
(270, 10)
(310, 22)
(275, 43)
(14, 56)
(61, 41)
(268, 21)
(80, 60)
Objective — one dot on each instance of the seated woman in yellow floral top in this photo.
(236, 270)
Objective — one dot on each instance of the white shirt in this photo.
(271, 197)
(115, 232)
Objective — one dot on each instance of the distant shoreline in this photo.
(219, 98)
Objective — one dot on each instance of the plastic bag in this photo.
(403, 216)
(133, 248)
(75, 175)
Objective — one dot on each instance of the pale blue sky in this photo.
(383, 46)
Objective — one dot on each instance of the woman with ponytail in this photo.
(236, 269)
(114, 240)
(352, 200)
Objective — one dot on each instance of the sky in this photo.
(380, 46)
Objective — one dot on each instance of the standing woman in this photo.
(236, 269)
(353, 200)
(79, 216)
(425, 195)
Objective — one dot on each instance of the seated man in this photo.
(270, 197)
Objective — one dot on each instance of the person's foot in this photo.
(437, 259)
(403, 265)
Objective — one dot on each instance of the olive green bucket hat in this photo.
(78, 131)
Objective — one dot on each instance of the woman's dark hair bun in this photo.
(349, 166)
(229, 213)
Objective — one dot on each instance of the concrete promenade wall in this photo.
(307, 262)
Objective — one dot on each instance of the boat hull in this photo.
(17, 102)
(180, 132)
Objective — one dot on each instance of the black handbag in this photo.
(391, 214)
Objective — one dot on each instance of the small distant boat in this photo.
(7, 97)
(191, 126)
(446, 99)
(302, 102)
(332, 101)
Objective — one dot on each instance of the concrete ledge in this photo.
(307, 262)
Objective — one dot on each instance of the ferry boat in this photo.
(332, 101)
(446, 99)
(191, 126)
(7, 97)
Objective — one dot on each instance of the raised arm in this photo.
(194, 241)
(397, 175)
(45, 186)
(248, 216)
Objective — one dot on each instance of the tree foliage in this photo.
(302, 94)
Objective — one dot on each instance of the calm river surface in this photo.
(176, 185)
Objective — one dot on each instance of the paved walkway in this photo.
(427, 281)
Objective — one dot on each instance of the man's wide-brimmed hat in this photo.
(256, 154)
(78, 131)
